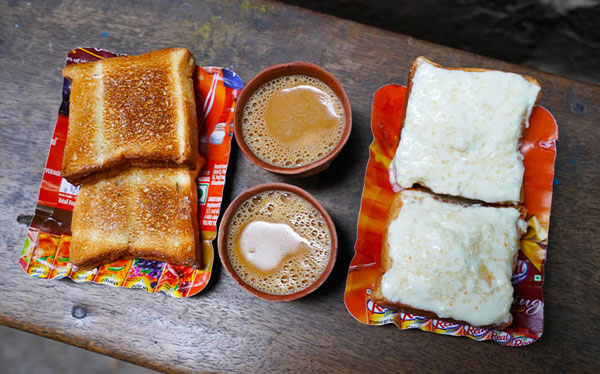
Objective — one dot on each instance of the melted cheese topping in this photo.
(452, 259)
(461, 133)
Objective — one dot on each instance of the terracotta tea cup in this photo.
(224, 233)
(293, 68)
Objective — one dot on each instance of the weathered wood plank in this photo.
(224, 328)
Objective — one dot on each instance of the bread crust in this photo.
(131, 111)
(386, 261)
(422, 59)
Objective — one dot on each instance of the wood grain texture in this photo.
(224, 328)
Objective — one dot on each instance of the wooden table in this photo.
(224, 328)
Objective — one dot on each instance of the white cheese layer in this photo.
(461, 133)
(452, 259)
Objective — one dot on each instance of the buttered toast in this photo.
(461, 132)
(450, 261)
(148, 213)
(131, 111)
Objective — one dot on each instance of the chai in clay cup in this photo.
(293, 68)
(224, 230)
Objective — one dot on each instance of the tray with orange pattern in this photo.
(539, 152)
(45, 253)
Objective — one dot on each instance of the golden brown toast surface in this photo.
(146, 213)
(137, 110)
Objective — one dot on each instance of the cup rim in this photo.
(224, 230)
(279, 70)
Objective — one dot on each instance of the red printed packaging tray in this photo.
(45, 253)
(539, 151)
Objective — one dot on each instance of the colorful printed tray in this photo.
(539, 151)
(45, 253)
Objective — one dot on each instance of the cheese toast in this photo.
(461, 132)
(448, 260)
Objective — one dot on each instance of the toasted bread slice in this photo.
(165, 211)
(461, 132)
(146, 213)
(131, 111)
(100, 223)
(450, 261)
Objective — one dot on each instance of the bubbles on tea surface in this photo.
(296, 273)
(265, 147)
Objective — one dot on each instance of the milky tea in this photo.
(278, 242)
(293, 121)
